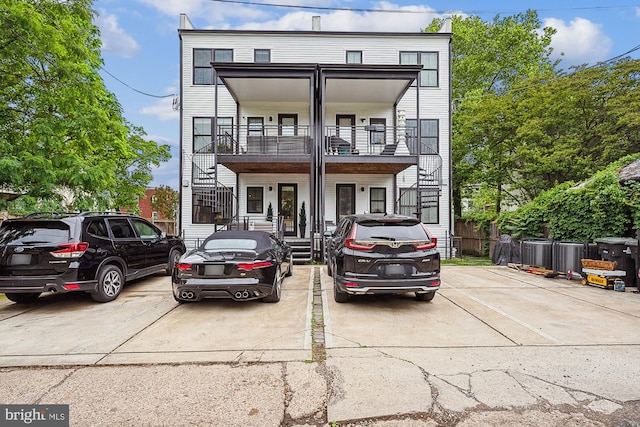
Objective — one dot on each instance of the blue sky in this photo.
(140, 43)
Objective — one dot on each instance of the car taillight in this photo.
(351, 242)
(70, 250)
(183, 266)
(253, 265)
(432, 243)
(427, 245)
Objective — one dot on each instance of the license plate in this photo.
(20, 259)
(395, 270)
(213, 270)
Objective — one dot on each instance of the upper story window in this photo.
(428, 136)
(262, 55)
(428, 60)
(203, 131)
(354, 57)
(202, 58)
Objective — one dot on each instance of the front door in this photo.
(287, 207)
(346, 128)
(345, 200)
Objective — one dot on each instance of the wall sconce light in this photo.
(362, 189)
(270, 188)
(270, 118)
(363, 119)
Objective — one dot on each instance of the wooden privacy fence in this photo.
(474, 240)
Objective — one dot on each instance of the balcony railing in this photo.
(266, 140)
(368, 140)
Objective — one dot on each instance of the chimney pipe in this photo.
(315, 23)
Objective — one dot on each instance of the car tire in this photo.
(338, 295)
(110, 282)
(329, 269)
(290, 270)
(274, 296)
(174, 256)
(23, 298)
(426, 296)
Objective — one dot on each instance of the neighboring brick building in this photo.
(145, 205)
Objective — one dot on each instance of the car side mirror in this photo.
(163, 235)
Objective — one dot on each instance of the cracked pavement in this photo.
(495, 347)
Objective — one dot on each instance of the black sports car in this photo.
(242, 265)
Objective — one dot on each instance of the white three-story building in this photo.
(342, 122)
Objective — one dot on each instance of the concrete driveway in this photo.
(495, 347)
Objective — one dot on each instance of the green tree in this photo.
(166, 201)
(61, 132)
(487, 59)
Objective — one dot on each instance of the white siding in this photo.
(321, 48)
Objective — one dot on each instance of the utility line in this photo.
(441, 12)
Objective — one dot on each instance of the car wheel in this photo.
(174, 256)
(26, 298)
(290, 270)
(427, 296)
(110, 282)
(276, 290)
(338, 295)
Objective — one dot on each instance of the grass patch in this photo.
(468, 260)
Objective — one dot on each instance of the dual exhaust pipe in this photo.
(242, 294)
(189, 295)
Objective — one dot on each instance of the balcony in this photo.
(374, 149)
(282, 149)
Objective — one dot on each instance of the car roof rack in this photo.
(114, 213)
(50, 214)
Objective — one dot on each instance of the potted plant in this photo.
(303, 220)
(270, 213)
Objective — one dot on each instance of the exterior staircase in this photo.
(301, 249)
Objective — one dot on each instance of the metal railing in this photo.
(368, 140)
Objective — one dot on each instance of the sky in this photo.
(140, 44)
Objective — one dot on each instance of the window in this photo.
(255, 196)
(354, 57)
(202, 72)
(377, 134)
(377, 200)
(429, 204)
(202, 131)
(201, 134)
(154, 215)
(262, 55)
(255, 126)
(212, 206)
(146, 230)
(202, 58)
(429, 61)
(428, 136)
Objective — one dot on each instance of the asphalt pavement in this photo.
(495, 347)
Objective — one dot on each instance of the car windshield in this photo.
(34, 232)
(223, 244)
(391, 231)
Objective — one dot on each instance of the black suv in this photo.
(89, 251)
(380, 253)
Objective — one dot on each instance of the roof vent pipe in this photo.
(315, 23)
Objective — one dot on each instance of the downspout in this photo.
(419, 151)
(313, 179)
(181, 113)
(214, 136)
(452, 213)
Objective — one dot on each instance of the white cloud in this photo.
(638, 12)
(581, 41)
(115, 39)
(342, 20)
(162, 109)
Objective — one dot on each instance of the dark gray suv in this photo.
(91, 252)
(380, 253)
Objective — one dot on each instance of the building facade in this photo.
(341, 122)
